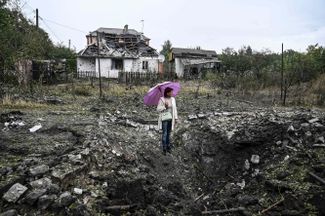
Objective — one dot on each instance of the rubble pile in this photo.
(244, 162)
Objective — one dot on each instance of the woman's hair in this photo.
(167, 90)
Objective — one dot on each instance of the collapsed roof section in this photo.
(193, 53)
(194, 57)
(187, 62)
(118, 43)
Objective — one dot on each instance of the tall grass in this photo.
(8, 102)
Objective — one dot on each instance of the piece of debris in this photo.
(45, 201)
(14, 193)
(77, 191)
(247, 165)
(192, 117)
(291, 128)
(241, 184)
(35, 128)
(319, 145)
(43, 183)
(311, 121)
(39, 170)
(32, 197)
(255, 159)
(317, 177)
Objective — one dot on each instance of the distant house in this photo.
(124, 50)
(191, 62)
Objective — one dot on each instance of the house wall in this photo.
(128, 65)
(85, 64)
(152, 64)
(105, 67)
(179, 67)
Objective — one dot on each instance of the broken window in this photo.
(117, 64)
(145, 65)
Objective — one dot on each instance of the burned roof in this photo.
(113, 49)
(119, 43)
(184, 52)
(118, 31)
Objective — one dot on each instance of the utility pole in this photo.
(69, 43)
(282, 72)
(99, 72)
(36, 17)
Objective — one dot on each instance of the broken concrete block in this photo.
(77, 191)
(45, 201)
(65, 199)
(39, 170)
(66, 170)
(255, 159)
(35, 128)
(201, 115)
(14, 193)
(43, 183)
(32, 197)
(311, 121)
(192, 117)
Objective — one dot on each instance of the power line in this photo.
(44, 20)
(54, 22)
(55, 35)
(65, 26)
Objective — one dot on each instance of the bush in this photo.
(82, 91)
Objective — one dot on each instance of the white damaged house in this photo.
(190, 63)
(120, 50)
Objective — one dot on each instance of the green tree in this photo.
(166, 49)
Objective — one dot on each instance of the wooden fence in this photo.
(143, 78)
(86, 74)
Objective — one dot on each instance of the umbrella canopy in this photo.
(156, 92)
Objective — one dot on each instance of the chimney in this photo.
(126, 29)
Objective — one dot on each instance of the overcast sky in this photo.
(210, 24)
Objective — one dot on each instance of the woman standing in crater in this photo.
(167, 118)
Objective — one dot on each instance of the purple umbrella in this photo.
(156, 92)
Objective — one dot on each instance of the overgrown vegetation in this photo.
(247, 70)
(22, 40)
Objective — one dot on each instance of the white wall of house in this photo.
(105, 67)
(129, 65)
(179, 67)
(152, 65)
(85, 64)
